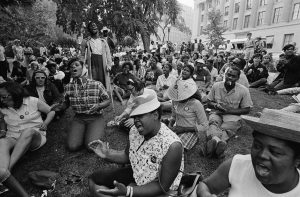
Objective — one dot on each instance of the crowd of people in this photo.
(200, 94)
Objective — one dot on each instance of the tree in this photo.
(123, 17)
(179, 24)
(215, 29)
(25, 20)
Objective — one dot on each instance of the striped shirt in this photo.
(83, 97)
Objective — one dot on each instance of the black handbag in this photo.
(188, 183)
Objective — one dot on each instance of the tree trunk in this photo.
(146, 40)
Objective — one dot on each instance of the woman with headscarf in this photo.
(87, 98)
(270, 170)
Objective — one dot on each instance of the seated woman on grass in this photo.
(271, 168)
(153, 150)
(121, 89)
(164, 81)
(22, 129)
(137, 88)
(43, 89)
(187, 112)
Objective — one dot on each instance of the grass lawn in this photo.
(54, 157)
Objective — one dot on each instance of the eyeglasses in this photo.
(40, 77)
(4, 96)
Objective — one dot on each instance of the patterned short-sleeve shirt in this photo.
(83, 97)
(146, 156)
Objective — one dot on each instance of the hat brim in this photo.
(174, 94)
(272, 130)
(145, 108)
(186, 96)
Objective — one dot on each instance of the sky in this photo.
(187, 2)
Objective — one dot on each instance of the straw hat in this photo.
(276, 123)
(145, 103)
(182, 89)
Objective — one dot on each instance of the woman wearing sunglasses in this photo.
(43, 89)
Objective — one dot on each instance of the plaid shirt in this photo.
(83, 97)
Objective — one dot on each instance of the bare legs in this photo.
(28, 139)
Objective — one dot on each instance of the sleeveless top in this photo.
(245, 184)
(146, 156)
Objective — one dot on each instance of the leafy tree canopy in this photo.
(123, 17)
(24, 20)
(215, 29)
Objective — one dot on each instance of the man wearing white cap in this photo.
(154, 151)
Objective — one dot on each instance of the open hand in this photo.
(100, 148)
(129, 123)
(119, 190)
(118, 118)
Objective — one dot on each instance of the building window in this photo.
(277, 13)
(262, 2)
(246, 21)
(260, 19)
(202, 18)
(249, 4)
(227, 1)
(201, 29)
(226, 10)
(277, 1)
(218, 2)
(236, 7)
(269, 41)
(203, 6)
(288, 38)
(209, 5)
(234, 23)
(225, 23)
(296, 11)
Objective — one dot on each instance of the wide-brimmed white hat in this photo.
(182, 89)
(145, 103)
(276, 123)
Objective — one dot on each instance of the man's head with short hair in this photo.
(239, 62)
(288, 47)
(232, 76)
(289, 50)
